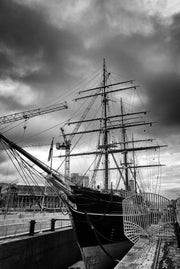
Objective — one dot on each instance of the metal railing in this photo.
(148, 214)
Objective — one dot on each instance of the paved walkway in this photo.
(149, 253)
(141, 255)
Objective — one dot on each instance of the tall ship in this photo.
(96, 210)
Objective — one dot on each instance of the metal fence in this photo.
(147, 214)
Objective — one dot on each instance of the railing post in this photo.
(32, 226)
(53, 224)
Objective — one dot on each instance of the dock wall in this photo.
(49, 250)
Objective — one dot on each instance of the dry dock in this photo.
(45, 246)
(154, 253)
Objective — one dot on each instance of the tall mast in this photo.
(128, 120)
(105, 103)
(135, 173)
(125, 152)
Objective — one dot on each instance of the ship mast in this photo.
(106, 147)
(135, 173)
(105, 103)
(125, 151)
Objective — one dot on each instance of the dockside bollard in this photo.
(53, 224)
(32, 227)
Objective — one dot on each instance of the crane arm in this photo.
(32, 113)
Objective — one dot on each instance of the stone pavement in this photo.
(149, 253)
(169, 256)
(141, 255)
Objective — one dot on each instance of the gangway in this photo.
(149, 215)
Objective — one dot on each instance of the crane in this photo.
(65, 146)
(32, 113)
(25, 115)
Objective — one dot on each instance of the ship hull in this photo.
(101, 238)
(95, 258)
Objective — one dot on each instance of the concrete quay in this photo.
(57, 249)
(152, 253)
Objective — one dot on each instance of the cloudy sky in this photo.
(48, 47)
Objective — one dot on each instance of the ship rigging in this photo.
(97, 215)
(107, 148)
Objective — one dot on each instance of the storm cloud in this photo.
(32, 50)
(46, 46)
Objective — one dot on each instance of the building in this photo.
(16, 197)
(80, 180)
(131, 185)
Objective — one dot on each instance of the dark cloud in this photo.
(163, 86)
(32, 49)
(154, 61)
(46, 54)
(164, 96)
(174, 38)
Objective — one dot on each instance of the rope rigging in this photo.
(31, 176)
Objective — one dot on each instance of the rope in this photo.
(96, 236)
(29, 174)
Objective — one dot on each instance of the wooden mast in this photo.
(105, 102)
(125, 151)
(135, 172)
